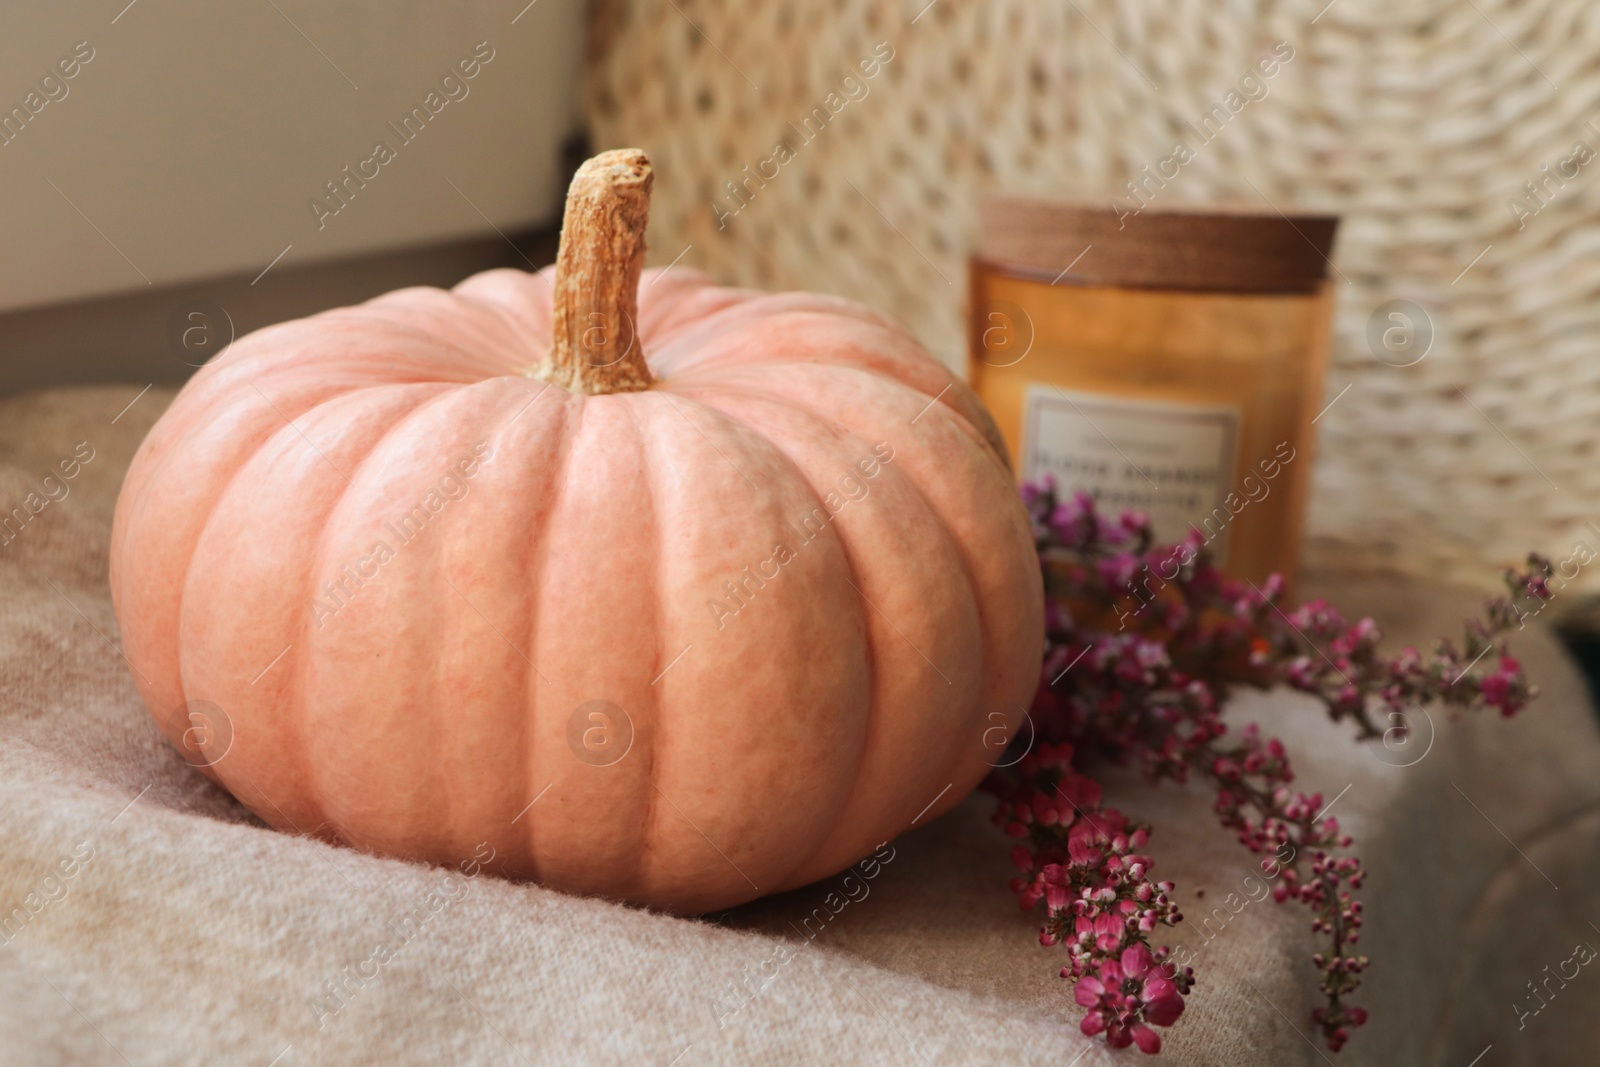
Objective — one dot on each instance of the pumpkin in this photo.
(661, 591)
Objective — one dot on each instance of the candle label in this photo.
(1172, 461)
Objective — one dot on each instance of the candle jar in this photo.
(1169, 362)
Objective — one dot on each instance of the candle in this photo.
(1169, 362)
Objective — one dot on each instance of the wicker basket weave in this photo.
(1418, 121)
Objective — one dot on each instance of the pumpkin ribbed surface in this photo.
(792, 579)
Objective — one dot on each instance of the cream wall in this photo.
(191, 142)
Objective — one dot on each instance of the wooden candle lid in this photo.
(1207, 248)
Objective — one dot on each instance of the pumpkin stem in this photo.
(596, 346)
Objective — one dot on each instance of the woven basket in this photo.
(1417, 121)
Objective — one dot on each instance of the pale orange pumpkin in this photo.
(461, 567)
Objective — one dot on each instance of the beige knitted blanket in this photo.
(146, 918)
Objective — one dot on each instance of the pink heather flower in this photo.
(1163, 1005)
(1495, 688)
(1136, 961)
(1083, 845)
(1127, 994)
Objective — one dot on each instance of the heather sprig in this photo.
(1085, 862)
(1145, 644)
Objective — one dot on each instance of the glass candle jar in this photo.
(1165, 361)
